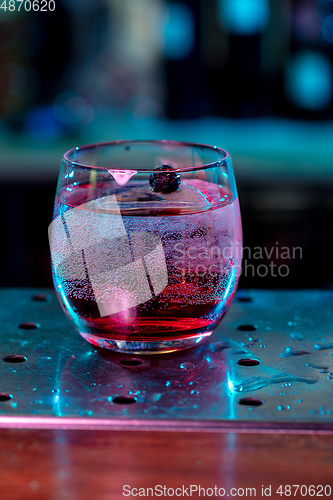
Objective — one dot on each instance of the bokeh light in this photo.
(309, 80)
(244, 17)
(179, 34)
(327, 28)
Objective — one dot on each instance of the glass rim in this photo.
(97, 145)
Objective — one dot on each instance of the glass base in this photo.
(154, 347)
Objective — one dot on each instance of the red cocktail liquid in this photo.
(129, 269)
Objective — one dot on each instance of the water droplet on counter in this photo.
(297, 336)
(322, 347)
(172, 383)
(289, 352)
(280, 407)
(187, 366)
(255, 383)
(317, 367)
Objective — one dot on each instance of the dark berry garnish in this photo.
(165, 180)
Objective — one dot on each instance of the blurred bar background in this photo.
(252, 76)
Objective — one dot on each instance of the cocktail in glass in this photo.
(146, 243)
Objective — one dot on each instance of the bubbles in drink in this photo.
(128, 267)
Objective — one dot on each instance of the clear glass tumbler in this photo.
(146, 243)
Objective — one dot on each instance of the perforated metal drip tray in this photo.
(269, 366)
